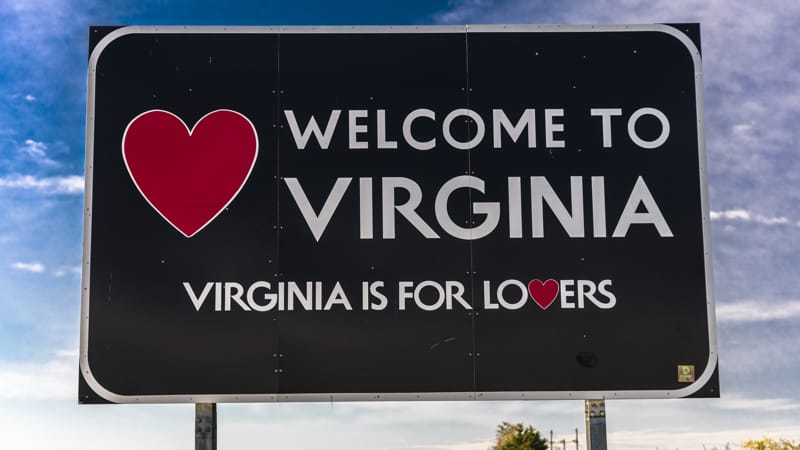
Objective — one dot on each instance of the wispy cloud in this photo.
(65, 270)
(758, 311)
(34, 267)
(735, 402)
(752, 87)
(70, 184)
(37, 151)
(67, 353)
(55, 379)
(480, 445)
(747, 216)
(26, 97)
(693, 439)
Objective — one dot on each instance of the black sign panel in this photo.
(280, 214)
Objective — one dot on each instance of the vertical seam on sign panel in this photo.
(277, 362)
(470, 257)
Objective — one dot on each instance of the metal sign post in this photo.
(205, 426)
(595, 424)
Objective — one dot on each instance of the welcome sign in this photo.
(492, 212)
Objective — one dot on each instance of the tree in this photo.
(770, 444)
(515, 436)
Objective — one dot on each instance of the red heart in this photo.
(543, 293)
(189, 176)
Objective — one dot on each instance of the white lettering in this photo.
(317, 223)
(551, 127)
(479, 132)
(659, 141)
(409, 120)
(641, 195)
(407, 209)
(605, 114)
(301, 138)
(542, 191)
(491, 210)
(500, 122)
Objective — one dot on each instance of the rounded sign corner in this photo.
(94, 57)
(95, 385)
(687, 42)
(701, 381)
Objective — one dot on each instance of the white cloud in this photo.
(747, 216)
(37, 151)
(480, 445)
(735, 402)
(68, 353)
(751, 84)
(64, 270)
(26, 97)
(29, 267)
(687, 439)
(758, 311)
(70, 184)
(55, 379)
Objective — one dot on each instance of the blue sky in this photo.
(752, 108)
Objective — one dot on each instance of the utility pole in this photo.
(595, 424)
(205, 426)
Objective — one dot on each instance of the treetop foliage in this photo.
(770, 444)
(516, 436)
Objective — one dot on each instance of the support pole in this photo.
(205, 426)
(595, 424)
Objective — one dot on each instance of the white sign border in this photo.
(95, 385)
